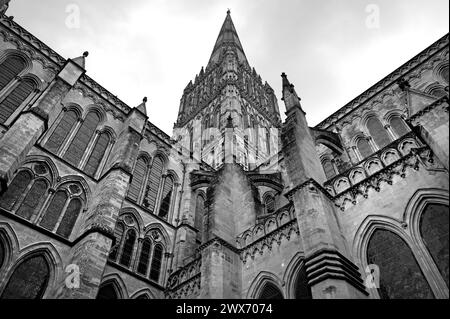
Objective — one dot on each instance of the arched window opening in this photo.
(328, 168)
(9, 69)
(82, 138)
(154, 180)
(70, 217)
(435, 233)
(144, 258)
(29, 280)
(128, 248)
(54, 210)
(378, 132)
(33, 200)
(270, 291)
(269, 204)
(107, 291)
(61, 132)
(156, 263)
(364, 148)
(137, 181)
(166, 198)
(14, 191)
(15, 98)
(399, 126)
(97, 154)
(302, 289)
(118, 233)
(400, 275)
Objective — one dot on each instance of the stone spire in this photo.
(290, 97)
(228, 37)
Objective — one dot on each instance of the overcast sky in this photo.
(332, 50)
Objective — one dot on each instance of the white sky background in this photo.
(154, 48)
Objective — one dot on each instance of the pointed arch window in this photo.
(144, 257)
(14, 191)
(11, 67)
(107, 291)
(401, 276)
(29, 280)
(438, 91)
(166, 198)
(269, 204)
(378, 132)
(10, 103)
(398, 125)
(82, 138)
(61, 131)
(70, 217)
(54, 210)
(128, 248)
(270, 291)
(140, 170)
(118, 233)
(33, 199)
(328, 168)
(434, 230)
(97, 153)
(154, 180)
(156, 262)
(364, 148)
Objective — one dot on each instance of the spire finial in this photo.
(85, 54)
(144, 99)
(228, 11)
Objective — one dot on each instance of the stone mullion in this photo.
(69, 139)
(89, 149)
(44, 207)
(50, 131)
(391, 132)
(159, 194)
(172, 202)
(102, 164)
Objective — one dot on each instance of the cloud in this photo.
(154, 48)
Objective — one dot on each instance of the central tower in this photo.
(228, 104)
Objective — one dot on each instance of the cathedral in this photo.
(98, 202)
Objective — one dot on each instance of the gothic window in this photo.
(107, 291)
(302, 290)
(137, 181)
(70, 217)
(156, 262)
(435, 233)
(328, 168)
(61, 131)
(97, 154)
(14, 191)
(154, 179)
(54, 210)
(144, 257)
(9, 69)
(33, 200)
(398, 125)
(128, 248)
(401, 276)
(199, 213)
(81, 140)
(444, 73)
(268, 141)
(270, 291)
(15, 98)
(378, 132)
(118, 233)
(364, 148)
(269, 204)
(166, 198)
(29, 280)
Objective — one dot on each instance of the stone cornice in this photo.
(387, 81)
(429, 108)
